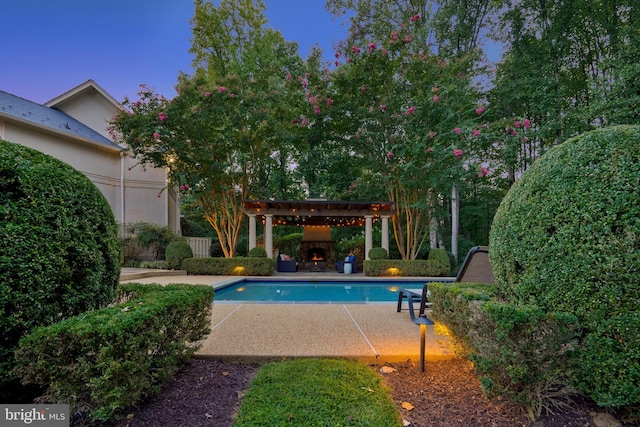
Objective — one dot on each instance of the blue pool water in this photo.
(314, 291)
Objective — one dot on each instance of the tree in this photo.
(220, 137)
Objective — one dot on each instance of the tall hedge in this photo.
(566, 238)
(59, 248)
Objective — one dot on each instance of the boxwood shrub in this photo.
(105, 361)
(176, 252)
(237, 266)
(567, 238)
(59, 247)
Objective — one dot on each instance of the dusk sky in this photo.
(51, 46)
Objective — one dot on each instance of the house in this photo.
(73, 128)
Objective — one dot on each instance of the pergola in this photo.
(316, 212)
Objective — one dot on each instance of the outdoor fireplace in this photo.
(317, 254)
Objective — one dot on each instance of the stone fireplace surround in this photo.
(317, 239)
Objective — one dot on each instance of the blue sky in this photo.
(51, 46)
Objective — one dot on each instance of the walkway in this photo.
(372, 333)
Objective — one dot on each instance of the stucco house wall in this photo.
(73, 128)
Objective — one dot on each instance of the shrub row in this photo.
(412, 268)
(102, 362)
(521, 353)
(237, 266)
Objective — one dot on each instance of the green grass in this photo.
(317, 392)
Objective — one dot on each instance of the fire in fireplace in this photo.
(316, 254)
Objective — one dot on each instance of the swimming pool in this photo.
(314, 291)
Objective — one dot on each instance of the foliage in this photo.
(60, 251)
(237, 266)
(176, 252)
(441, 257)
(408, 268)
(524, 355)
(452, 305)
(378, 253)
(151, 236)
(288, 243)
(317, 392)
(566, 238)
(104, 361)
(257, 252)
(353, 246)
(521, 352)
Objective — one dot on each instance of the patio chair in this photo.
(476, 268)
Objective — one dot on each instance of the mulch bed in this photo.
(448, 393)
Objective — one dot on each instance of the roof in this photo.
(12, 106)
(317, 211)
(89, 85)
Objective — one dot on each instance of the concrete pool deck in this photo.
(372, 333)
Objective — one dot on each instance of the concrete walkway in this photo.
(372, 332)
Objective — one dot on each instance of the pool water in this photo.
(307, 291)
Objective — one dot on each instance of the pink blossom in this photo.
(395, 35)
(527, 123)
(222, 89)
(337, 55)
(458, 131)
(316, 109)
(305, 121)
(480, 110)
(476, 132)
(516, 124)
(408, 39)
(429, 149)
(524, 139)
(389, 154)
(457, 152)
(363, 88)
(384, 51)
(435, 98)
(182, 188)
(415, 18)
(336, 63)
(372, 47)
(207, 94)
(329, 102)
(289, 76)
(312, 100)
(483, 172)
(156, 135)
(295, 121)
(161, 116)
(383, 107)
(411, 110)
(355, 49)
(435, 89)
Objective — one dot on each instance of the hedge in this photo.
(104, 361)
(409, 268)
(237, 266)
(59, 248)
(521, 353)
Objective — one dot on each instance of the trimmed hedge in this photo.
(441, 256)
(105, 361)
(59, 248)
(176, 252)
(567, 238)
(410, 268)
(237, 266)
(521, 353)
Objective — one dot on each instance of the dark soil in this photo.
(209, 393)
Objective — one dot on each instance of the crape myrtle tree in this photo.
(408, 116)
(221, 133)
